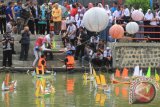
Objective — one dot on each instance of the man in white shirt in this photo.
(126, 14)
(71, 32)
(107, 57)
(117, 15)
(47, 45)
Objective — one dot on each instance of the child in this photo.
(41, 65)
(69, 61)
(63, 26)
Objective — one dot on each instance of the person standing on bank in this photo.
(57, 17)
(25, 42)
(35, 9)
(81, 39)
(2, 17)
(7, 41)
(10, 28)
(9, 12)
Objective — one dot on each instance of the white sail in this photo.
(15, 84)
(136, 71)
(3, 86)
(90, 68)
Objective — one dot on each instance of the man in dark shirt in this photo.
(9, 11)
(25, 42)
(81, 39)
(35, 10)
(7, 41)
(2, 17)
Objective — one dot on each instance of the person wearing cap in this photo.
(107, 57)
(2, 17)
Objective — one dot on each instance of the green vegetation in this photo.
(144, 4)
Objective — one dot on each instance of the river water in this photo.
(71, 91)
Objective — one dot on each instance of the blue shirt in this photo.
(113, 9)
(17, 10)
(8, 11)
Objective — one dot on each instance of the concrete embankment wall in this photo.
(132, 54)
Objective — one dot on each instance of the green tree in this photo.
(144, 4)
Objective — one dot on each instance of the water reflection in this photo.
(6, 95)
(121, 90)
(45, 102)
(70, 86)
(70, 92)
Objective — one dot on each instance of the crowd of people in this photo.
(32, 19)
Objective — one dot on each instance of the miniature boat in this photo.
(11, 86)
(137, 72)
(7, 85)
(124, 79)
(100, 83)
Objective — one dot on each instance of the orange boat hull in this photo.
(119, 82)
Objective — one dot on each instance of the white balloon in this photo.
(137, 15)
(132, 27)
(95, 19)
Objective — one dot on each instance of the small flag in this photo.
(149, 72)
(156, 76)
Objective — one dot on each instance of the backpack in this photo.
(25, 14)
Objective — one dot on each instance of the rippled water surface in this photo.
(71, 91)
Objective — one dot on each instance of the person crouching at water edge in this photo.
(41, 65)
(69, 61)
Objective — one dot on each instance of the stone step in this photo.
(17, 63)
(32, 37)
(17, 46)
(56, 56)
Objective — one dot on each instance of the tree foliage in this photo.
(144, 4)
